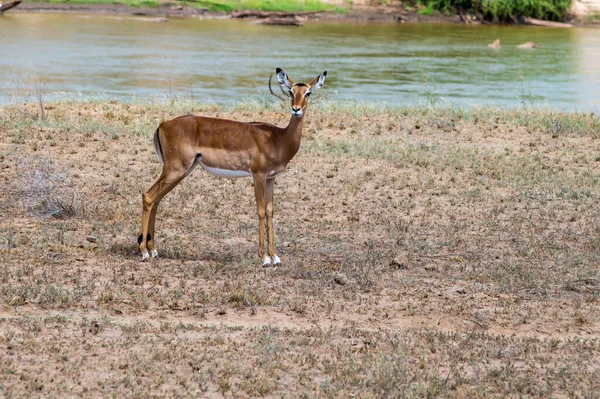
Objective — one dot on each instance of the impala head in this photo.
(299, 92)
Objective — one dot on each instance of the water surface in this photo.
(226, 60)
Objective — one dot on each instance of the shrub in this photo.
(504, 10)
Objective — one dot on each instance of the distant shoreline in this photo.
(381, 14)
(363, 14)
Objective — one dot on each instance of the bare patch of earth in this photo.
(166, 10)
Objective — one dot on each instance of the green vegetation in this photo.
(594, 17)
(222, 5)
(500, 10)
(265, 5)
(132, 3)
(427, 9)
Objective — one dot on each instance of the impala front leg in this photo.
(150, 241)
(260, 191)
(148, 203)
(270, 232)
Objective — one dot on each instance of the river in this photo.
(225, 61)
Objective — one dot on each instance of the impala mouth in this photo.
(297, 113)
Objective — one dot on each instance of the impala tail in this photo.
(157, 146)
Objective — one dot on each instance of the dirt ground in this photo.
(426, 253)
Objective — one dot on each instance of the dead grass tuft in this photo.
(43, 188)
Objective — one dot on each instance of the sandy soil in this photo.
(425, 253)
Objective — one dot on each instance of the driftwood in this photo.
(274, 14)
(528, 45)
(7, 6)
(495, 44)
(539, 22)
(294, 21)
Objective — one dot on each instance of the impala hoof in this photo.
(154, 253)
(145, 256)
(271, 261)
(266, 261)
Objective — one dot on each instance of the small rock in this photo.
(91, 238)
(457, 290)
(431, 267)
(95, 327)
(400, 262)
(340, 279)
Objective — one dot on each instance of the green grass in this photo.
(223, 5)
(132, 3)
(266, 5)
(427, 10)
(594, 17)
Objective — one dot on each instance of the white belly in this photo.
(225, 172)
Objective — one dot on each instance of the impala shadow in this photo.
(224, 254)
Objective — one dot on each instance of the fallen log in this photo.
(400, 18)
(7, 6)
(550, 24)
(271, 14)
(295, 21)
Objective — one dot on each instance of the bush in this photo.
(504, 10)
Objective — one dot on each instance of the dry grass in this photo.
(43, 188)
(427, 252)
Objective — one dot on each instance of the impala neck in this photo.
(294, 130)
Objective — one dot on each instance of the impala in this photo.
(232, 149)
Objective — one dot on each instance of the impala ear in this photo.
(318, 81)
(284, 80)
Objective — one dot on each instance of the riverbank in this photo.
(183, 9)
(355, 12)
(427, 252)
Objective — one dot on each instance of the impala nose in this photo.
(297, 111)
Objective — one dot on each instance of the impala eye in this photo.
(291, 93)
(307, 94)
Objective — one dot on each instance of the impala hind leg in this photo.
(269, 213)
(150, 242)
(150, 199)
